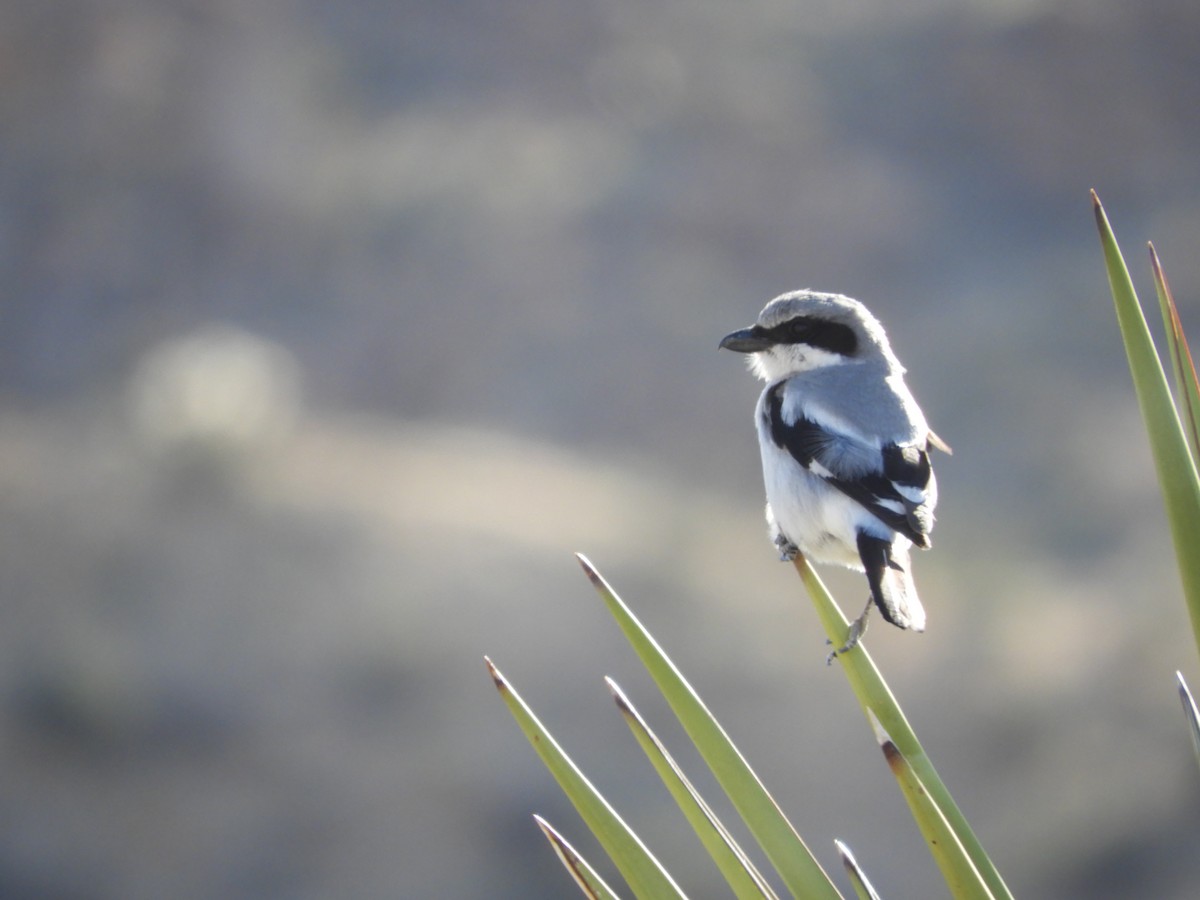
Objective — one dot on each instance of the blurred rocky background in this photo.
(329, 332)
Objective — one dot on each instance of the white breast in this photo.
(816, 517)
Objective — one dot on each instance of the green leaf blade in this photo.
(1190, 713)
(1187, 387)
(592, 885)
(739, 872)
(879, 704)
(796, 865)
(962, 877)
(638, 866)
(862, 885)
(1173, 462)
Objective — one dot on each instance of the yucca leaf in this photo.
(862, 885)
(1190, 713)
(585, 876)
(800, 871)
(1177, 475)
(745, 880)
(1187, 389)
(645, 875)
(961, 875)
(877, 702)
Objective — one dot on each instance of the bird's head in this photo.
(807, 330)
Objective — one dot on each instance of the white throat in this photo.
(783, 360)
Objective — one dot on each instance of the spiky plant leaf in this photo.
(1177, 475)
(1187, 388)
(800, 871)
(862, 885)
(878, 703)
(743, 878)
(644, 874)
(961, 875)
(592, 885)
(1190, 713)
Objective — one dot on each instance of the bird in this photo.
(845, 447)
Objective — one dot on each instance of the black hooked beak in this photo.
(746, 340)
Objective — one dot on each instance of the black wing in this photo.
(895, 493)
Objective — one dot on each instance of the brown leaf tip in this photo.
(548, 830)
(501, 684)
(618, 695)
(847, 856)
(891, 753)
(589, 569)
(1155, 265)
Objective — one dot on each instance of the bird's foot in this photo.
(857, 629)
(787, 550)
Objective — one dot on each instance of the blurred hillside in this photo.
(329, 332)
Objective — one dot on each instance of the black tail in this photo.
(890, 578)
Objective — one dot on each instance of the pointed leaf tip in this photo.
(1098, 211)
(614, 688)
(581, 872)
(588, 569)
(619, 697)
(849, 863)
(862, 886)
(497, 678)
(1160, 277)
(1190, 712)
(1185, 693)
(547, 829)
(848, 860)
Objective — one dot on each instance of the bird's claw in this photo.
(857, 629)
(787, 550)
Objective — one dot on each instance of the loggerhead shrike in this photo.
(845, 448)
